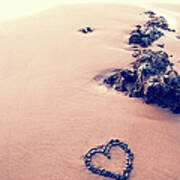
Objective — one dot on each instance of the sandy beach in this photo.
(52, 111)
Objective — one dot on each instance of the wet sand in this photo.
(53, 112)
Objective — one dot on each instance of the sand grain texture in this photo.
(53, 112)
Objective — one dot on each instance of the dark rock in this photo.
(148, 33)
(88, 155)
(83, 31)
(129, 75)
(135, 38)
(112, 141)
(108, 174)
(103, 172)
(128, 151)
(128, 170)
(112, 79)
(86, 30)
(134, 47)
(150, 12)
(88, 162)
(91, 167)
(129, 165)
(126, 174)
(172, 30)
(161, 45)
(131, 155)
(89, 29)
(118, 177)
(152, 78)
(117, 141)
(123, 146)
(138, 26)
(136, 53)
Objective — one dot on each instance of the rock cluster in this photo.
(145, 35)
(105, 150)
(86, 30)
(151, 76)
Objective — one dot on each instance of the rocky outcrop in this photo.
(151, 76)
(146, 34)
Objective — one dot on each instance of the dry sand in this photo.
(51, 110)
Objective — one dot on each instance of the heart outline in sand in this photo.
(105, 150)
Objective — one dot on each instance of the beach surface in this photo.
(53, 110)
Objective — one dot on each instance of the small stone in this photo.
(97, 171)
(135, 54)
(134, 47)
(83, 31)
(173, 30)
(131, 154)
(94, 170)
(150, 13)
(126, 175)
(117, 141)
(108, 156)
(161, 45)
(93, 151)
(108, 174)
(89, 29)
(88, 162)
(129, 166)
(114, 176)
(91, 167)
(128, 150)
(111, 141)
(123, 146)
(103, 172)
(118, 177)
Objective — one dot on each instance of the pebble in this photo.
(83, 31)
(161, 45)
(89, 29)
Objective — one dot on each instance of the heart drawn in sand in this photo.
(105, 150)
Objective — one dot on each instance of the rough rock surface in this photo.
(148, 33)
(151, 76)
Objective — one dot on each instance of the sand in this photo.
(52, 111)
